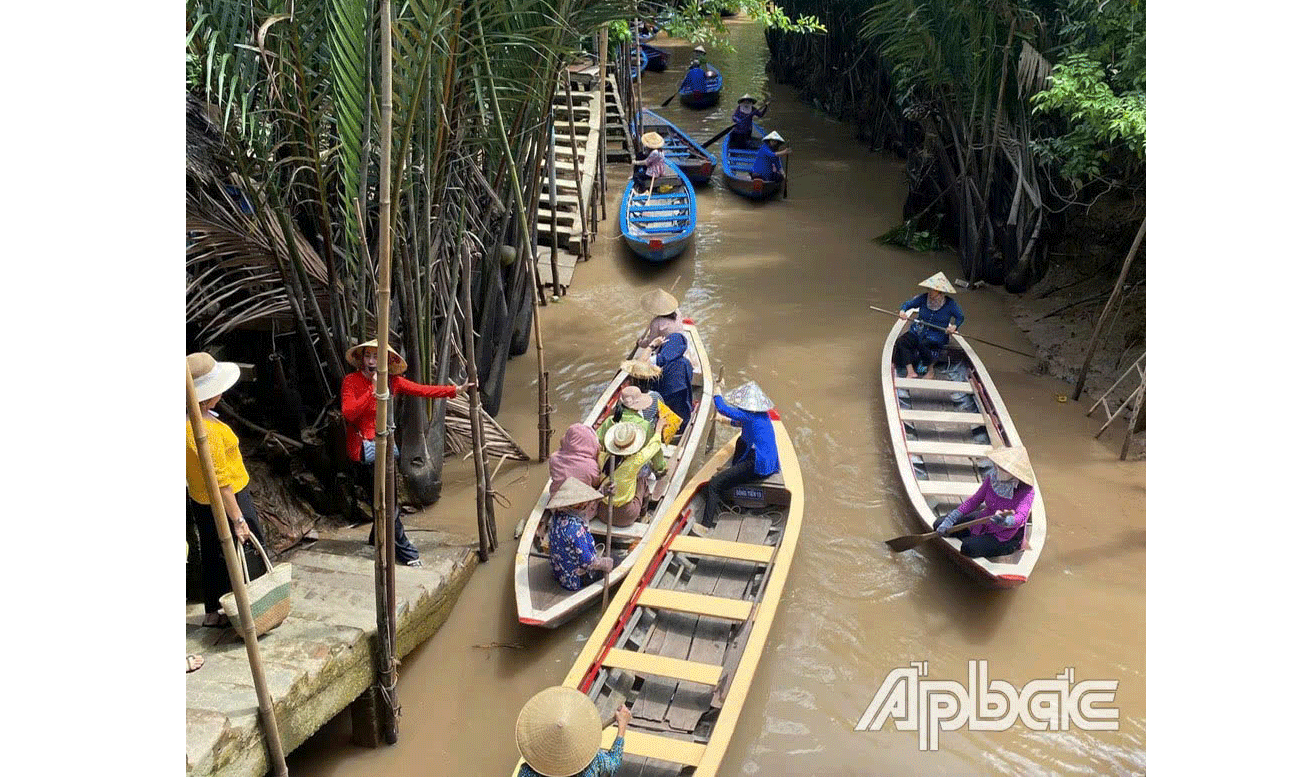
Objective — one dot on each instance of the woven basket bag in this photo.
(269, 595)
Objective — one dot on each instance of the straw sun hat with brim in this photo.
(939, 283)
(1013, 461)
(396, 363)
(774, 136)
(749, 397)
(210, 377)
(640, 370)
(625, 438)
(634, 398)
(574, 492)
(658, 302)
(558, 730)
(652, 140)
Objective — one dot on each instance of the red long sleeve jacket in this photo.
(360, 406)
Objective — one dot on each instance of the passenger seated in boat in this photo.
(1007, 494)
(768, 160)
(745, 114)
(576, 457)
(938, 316)
(629, 407)
(756, 456)
(641, 455)
(558, 733)
(572, 555)
(675, 382)
(652, 167)
(695, 79)
(665, 311)
(699, 56)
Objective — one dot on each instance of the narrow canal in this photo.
(780, 292)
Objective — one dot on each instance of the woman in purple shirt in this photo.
(743, 117)
(1007, 495)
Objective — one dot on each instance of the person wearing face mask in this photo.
(938, 316)
(1007, 495)
(745, 114)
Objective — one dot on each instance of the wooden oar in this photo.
(721, 134)
(671, 97)
(607, 549)
(959, 332)
(910, 541)
(786, 175)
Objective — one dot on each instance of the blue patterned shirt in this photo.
(571, 548)
(604, 764)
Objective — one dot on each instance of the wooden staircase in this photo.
(1134, 399)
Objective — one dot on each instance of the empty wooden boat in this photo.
(680, 642)
(658, 225)
(540, 600)
(940, 430)
(688, 155)
(655, 59)
(706, 97)
(737, 170)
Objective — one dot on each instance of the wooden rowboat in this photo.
(658, 225)
(706, 97)
(540, 600)
(737, 170)
(657, 59)
(940, 430)
(680, 642)
(696, 162)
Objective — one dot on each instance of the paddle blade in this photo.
(910, 541)
(721, 134)
(668, 99)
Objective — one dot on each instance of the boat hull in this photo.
(657, 60)
(659, 226)
(737, 171)
(706, 97)
(687, 154)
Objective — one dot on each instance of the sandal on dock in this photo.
(418, 562)
(193, 662)
(221, 622)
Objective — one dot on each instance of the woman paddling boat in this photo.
(938, 316)
(743, 117)
(756, 455)
(1008, 491)
(558, 732)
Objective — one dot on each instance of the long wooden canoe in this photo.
(696, 162)
(681, 641)
(737, 170)
(657, 59)
(540, 600)
(940, 430)
(707, 96)
(658, 225)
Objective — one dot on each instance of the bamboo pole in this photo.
(385, 530)
(553, 201)
(264, 701)
(607, 547)
(1110, 302)
(602, 113)
(575, 165)
(485, 504)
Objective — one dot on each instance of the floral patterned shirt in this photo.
(571, 548)
(604, 764)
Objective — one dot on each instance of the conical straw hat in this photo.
(1015, 461)
(939, 283)
(746, 98)
(652, 140)
(210, 377)
(641, 370)
(774, 136)
(558, 730)
(396, 364)
(574, 492)
(658, 302)
(749, 397)
(625, 438)
(699, 49)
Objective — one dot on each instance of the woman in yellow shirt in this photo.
(211, 379)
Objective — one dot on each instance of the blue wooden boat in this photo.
(737, 170)
(686, 153)
(657, 59)
(660, 226)
(708, 96)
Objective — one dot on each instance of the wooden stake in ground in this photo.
(485, 502)
(385, 528)
(1110, 303)
(264, 701)
(602, 115)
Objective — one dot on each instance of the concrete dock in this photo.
(321, 658)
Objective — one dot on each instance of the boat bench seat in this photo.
(663, 666)
(932, 448)
(695, 604)
(924, 384)
(766, 492)
(644, 745)
(704, 546)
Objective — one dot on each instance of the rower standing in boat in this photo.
(572, 554)
(756, 456)
(1009, 493)
(767, 165)
(699, 54)
(745, 114)
(651, 167)
(695, 79)
(558, 732)
(938, 316)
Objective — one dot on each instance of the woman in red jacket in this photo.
(360, 405)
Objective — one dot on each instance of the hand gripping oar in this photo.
(959, 332)
(910, 541)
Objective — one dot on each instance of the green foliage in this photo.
(699, 20)
(1102, 124)
(907, 235)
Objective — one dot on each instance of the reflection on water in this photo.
(780, 292)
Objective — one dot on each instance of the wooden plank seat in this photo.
(644, 745)
(634, 531)
(703, 546)
(663, 666)
(696, 604)
(667, 206)
(958, 488)
(953, 386)
(659, 230)
(933, 448)
(975, 418)
(761, 493)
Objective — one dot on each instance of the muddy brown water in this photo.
(780, 292)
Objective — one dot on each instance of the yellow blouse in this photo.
(224, 454)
